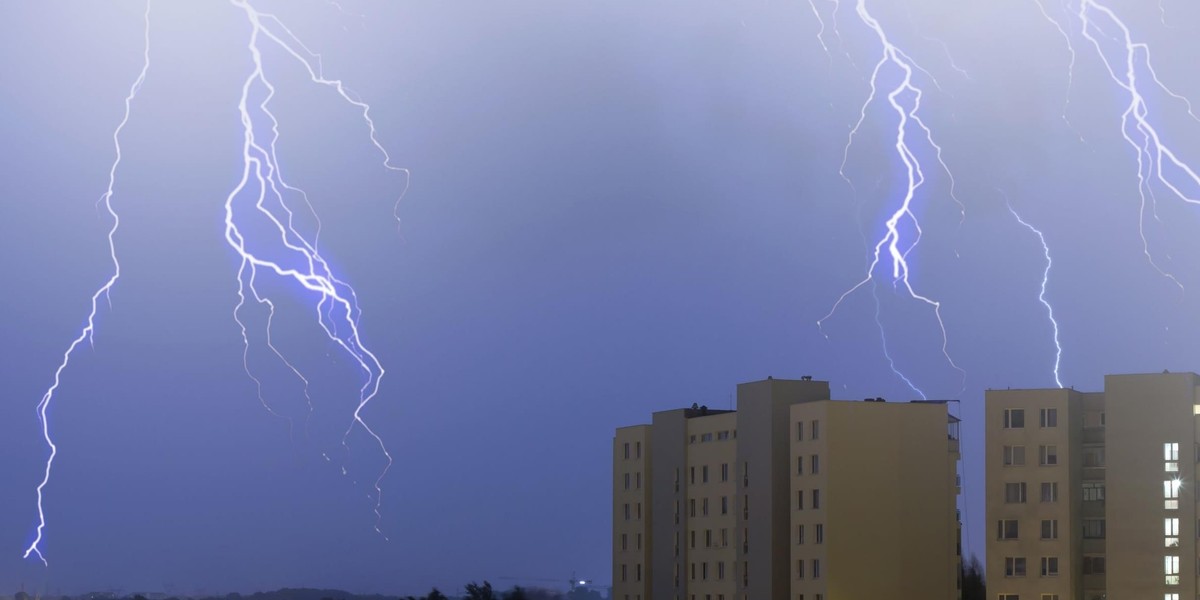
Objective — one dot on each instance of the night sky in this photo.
(615, 208)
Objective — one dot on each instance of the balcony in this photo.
(1093, 473)
(1093, 435)
(953, 445)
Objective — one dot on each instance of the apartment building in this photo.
(1092, 495)
(793, 496)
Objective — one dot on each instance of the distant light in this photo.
(582, 582)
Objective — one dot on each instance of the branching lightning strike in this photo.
(286, 253)
(1152, 152)
(904, 98)
(1042, 295)
(262, 187)
(88, 331)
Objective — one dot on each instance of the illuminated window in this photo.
(1049, 417)
(1170, 596)
(1171, 532)
(1171, 451)
(1171, 568)
(1006, 529)
(1014, 418)
(1014, 456)
(1171, 493)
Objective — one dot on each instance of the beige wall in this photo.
(631, 536)
(763, 494)
(1065, 437)
(888, 501)
(711, 444)
(1143, 412)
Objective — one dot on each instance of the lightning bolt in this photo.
(287, 253)
(1045, 282)
(88, 331)
(1136, 128)
(904, 99)
(1070, 65)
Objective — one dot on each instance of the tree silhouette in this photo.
(481, 592)
(973, 585)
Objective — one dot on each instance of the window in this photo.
(816, 570)
(724, 471)
(1014, 493)
(800, 569)
(724, 505)
(1047, 455)
(692, 507)
(1170, 596)
(1050, 491)
(1049, 566)
(816, 430)
(800, 500)
(724, 537)
(816, 503)
(1171, 493)
(1014, 418)
(1093, 492)
(1049, 529)
(1171, 568)
(626, 511)
(1009, 597)
(799, 431)
(706, 437)
(1006, 529)
(815, 465)
(1014, 566)
(799, 535)
(639, 480)
(820, 533)
(1093, 529)
(799, 465)
(1049, 596)
(704, 474)
(1093, 565)
(1014, 456)
(1171, 451)
(1171, 532)
(1049, 417)
(627, 481)
(638, 446)
(692, 475)
(626, 450)
(624, 541)
(704, 507)
(721, 569)
(1093, 457)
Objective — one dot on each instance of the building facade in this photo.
(793, 496)
(1092, 495)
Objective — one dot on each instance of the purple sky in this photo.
(615, 208)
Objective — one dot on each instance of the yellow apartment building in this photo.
(793, 496)
(1092, 495)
